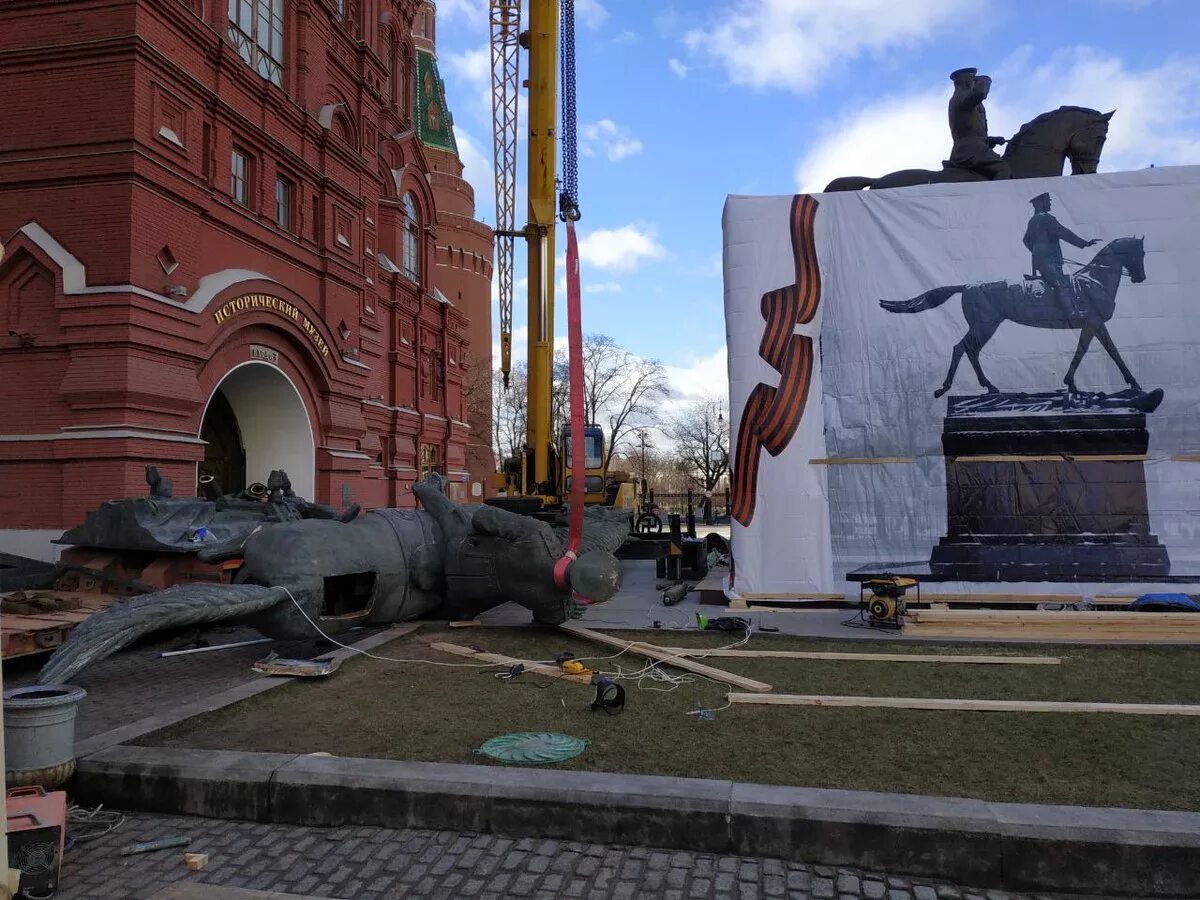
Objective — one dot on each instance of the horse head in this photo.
(1087, 141)
(1129, 253)
(1043, 144)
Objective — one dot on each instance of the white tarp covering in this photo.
(804, 278)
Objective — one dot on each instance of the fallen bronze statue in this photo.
(298, 574)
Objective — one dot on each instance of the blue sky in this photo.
(682, 103)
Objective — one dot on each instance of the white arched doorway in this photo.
(255, 421)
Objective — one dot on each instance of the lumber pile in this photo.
(1047, 625)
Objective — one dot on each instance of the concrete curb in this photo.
(1007, 846)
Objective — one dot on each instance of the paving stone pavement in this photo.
(136, 683)
(353, 862)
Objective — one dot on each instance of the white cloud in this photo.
(794, 43)
(471, 10)
(1157, 119)
(703, 376)
(678, 67)
(620, 249)
(616, 140)
(603, 287)
(591, 13)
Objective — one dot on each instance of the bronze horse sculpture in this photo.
(1039, 150)
(987, 305)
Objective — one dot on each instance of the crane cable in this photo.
(569, 212)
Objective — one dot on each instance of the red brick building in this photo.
(237, 239)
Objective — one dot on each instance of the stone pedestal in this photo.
(1033, 492)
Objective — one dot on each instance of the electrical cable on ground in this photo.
(90, 824)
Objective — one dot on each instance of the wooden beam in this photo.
(867, 657)
(937, 703)
(1120, 618)
(501, 660)
(649, 651)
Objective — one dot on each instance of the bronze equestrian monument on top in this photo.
(1040, 148)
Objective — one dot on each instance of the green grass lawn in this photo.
(421, 712)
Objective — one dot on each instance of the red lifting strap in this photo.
(575, 354)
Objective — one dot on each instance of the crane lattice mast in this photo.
(505, 42)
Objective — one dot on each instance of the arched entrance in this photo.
(255, 421)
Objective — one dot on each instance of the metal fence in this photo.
(691, 500)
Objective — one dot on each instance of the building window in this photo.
(284, 192)
(410, 255)
(430, 460)
(388, 51)
(256, 30)
(239, 178)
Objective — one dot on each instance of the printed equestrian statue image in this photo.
(1084, 301)
(1039, 149)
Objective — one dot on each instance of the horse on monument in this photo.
(988, 304)
(1038, 150)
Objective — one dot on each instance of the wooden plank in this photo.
(866, 657)
(805, 597)
(1052, 457)
(649, 651)
(501, 660)
(996, 598)
(860, 460)
(1186, 457)
(938, 703)
(1107, 616)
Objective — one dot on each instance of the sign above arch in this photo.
(251, 302)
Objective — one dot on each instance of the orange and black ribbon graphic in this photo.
(772, 414)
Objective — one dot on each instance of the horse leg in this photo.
(954, 360)
(974, 341)
(1086, 333)
(1107, 341)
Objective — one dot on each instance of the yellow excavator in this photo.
(541, 477)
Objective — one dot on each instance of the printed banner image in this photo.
(972, 383)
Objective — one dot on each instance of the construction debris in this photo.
(195, 861)
(160, 844)
(303, 668)
(556, 672)
(649, 651)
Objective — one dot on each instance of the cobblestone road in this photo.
(351, 863)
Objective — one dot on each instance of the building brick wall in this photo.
(124, 244)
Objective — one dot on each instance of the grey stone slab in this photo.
(216, 783)
(946, 837)
(645, 810)
(328, 790)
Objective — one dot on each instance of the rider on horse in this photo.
(1042, 237)
(968, 126)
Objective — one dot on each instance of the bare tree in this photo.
(479, 407)
(701, 436)
(510, 413)
(620, 390)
